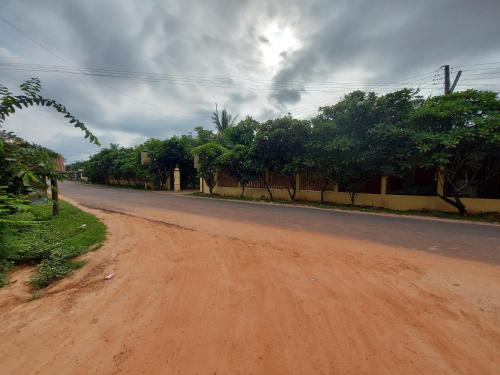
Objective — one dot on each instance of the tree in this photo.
(280, 147)
(203, 136)
(390, 136)
(351, 143)
(241, 134)
(100, 166)
(322, 155)
(209, 162)
(223, 121)
(166, 155)
(240, 162)
(9, 103)
(459, 134)
(24, 165)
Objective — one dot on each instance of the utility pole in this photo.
(446, 79)
(447, 88)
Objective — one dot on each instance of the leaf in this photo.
(26, 180)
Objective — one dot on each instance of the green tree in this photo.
(390, 136)
(459, 134)
(166, 155)
(240, 162)
(242, 133)
(322, 154)
(9, 104)
(209, 162)
(280, 146)
(350, 143)
(203, 136)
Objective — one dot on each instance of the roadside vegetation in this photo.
(34, 230)
(362, 137)
(37, 238)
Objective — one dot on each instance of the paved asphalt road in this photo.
(462, 240)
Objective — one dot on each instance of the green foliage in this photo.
(460, 134)
(9, 103)
(241, 134)
(166, 155)
(204, 136)
(280, 146)
(240, 162)
(209, 162)
(366, 136)
(51, 241)
(125, 162)
(25, 166)
(11, 203)
(322, 154)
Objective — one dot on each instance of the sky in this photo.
(137, 69)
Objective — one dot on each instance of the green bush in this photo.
(48, 241)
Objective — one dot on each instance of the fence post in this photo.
(440, 182)
(383, 185)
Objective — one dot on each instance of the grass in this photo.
(50, 243)
(489, 217)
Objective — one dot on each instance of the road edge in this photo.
(384, 214)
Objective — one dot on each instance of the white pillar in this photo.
(177, 179)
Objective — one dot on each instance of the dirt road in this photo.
(197, 294)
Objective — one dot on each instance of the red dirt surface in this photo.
(218, 297)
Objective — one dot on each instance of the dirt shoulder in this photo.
(199, 296)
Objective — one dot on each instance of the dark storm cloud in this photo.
(390, 39)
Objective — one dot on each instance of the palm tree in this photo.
(224, 121)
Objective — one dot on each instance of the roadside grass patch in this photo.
(50, 242)
(489, 217)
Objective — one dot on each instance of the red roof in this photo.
(59, 161)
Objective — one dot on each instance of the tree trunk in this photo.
(457, 203)
(291, 193)
(293, 188)
(55, 196)
(323, 192)
(352, 195)
(269, 191)
(242, 190)
(210, 188)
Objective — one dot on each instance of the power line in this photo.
(226, 82)
(479, 64)
(67, 61)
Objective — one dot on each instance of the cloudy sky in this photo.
(136, 69)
